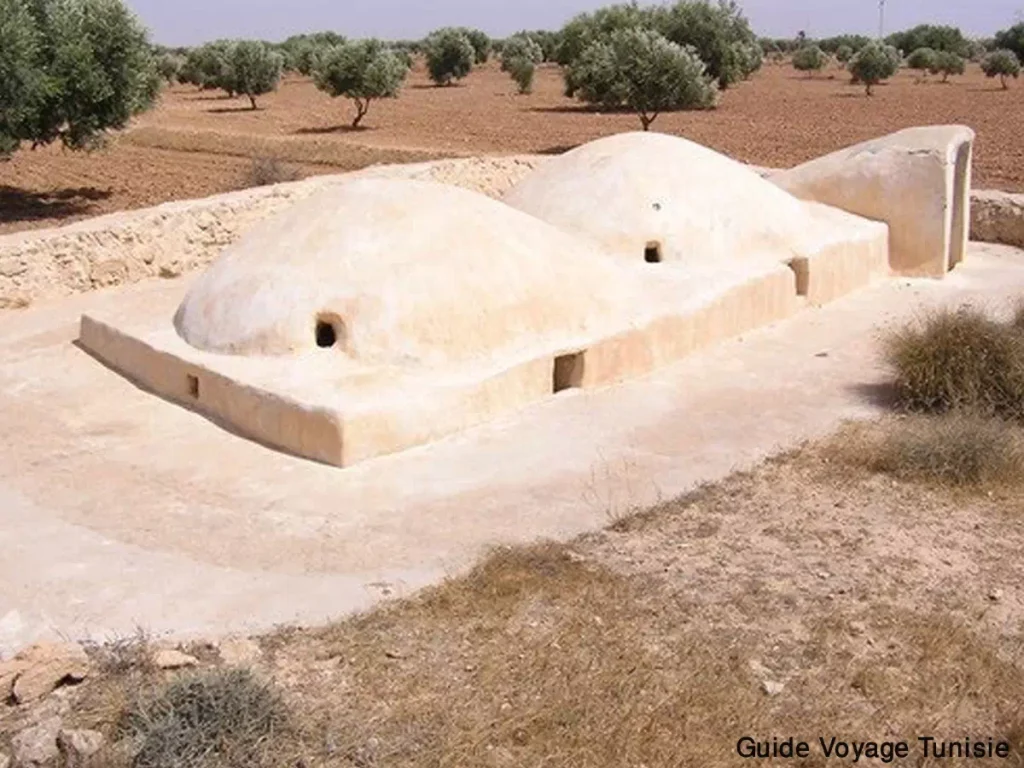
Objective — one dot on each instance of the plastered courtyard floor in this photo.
(119, 510)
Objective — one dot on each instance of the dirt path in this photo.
(119, 509)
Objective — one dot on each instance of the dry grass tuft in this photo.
(217, 717)
(544, 657)
(958, 450)
(1018, 316)
(958, 359)
(122, 656)
(269, 170)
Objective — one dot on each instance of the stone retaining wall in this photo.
(178, 237)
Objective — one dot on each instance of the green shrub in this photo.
(70, 71)
(642, 71)
(873, 64)
(212, 718)
(450, 55)
(959, 360)
(362, 70)
(844, 53)
(809, 59)
(519, 57)
(1002, 64)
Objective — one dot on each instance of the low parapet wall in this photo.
(179, 237)
(997, 217)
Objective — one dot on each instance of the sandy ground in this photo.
(119, 510)
(197, 144)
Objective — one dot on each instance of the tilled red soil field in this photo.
(198, 144)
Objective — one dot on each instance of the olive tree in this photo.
(844, 53)
(874, 63)
(809, 59)
(361, 70)
(947, 63)
(519, 57)
(640, 70)
(480, 41)
(936, 37)
(70, 70)
(255, 69)
(169, 66)
(922, 59)
(1011, 39)
(301, 50)
(209, 67)
(450, 55)
(1002, 64)
(718, 32)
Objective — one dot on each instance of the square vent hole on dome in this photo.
(329, 331)
(568, 372)
(801, 275)
(652, 252)
(192, 386)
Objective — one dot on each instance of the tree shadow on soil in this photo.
(558, 149)
(325, 129)
(21, 205)
(208, 97)
(232, 110)
(579, 109)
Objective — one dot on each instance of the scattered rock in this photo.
(238, 651)
(170, 658)
(36, 746)
(39, 669)
(772, 688)
(858, 628)
(76, 747)
(5, 760)
(995, 595)
(171, 270)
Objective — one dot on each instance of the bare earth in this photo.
(197, 144)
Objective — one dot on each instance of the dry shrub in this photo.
(270, 170)
(1018, 316)
(958, 359)
(216, 717)
(123, 655)
(955, 449)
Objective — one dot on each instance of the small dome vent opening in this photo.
(652, 252)
(325, 334)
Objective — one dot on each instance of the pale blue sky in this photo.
(185, 22)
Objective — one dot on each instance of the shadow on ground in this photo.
(327, 129)
(22, 205)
